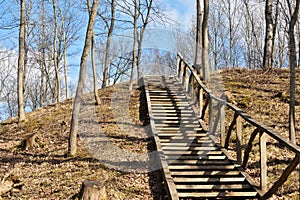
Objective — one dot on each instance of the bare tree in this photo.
(135, 16)
(95, 78)
(64, 41)
(110, 26)
(145, 21)
(72, 147)
(293, 65)
(270, 33)
(199, 39)
(55, 56)
(205, 41)
(21, 110)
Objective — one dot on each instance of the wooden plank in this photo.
(186, 140)
(263, 160)
(239, 140)
(180, 112)
(177, 104)
(198, 162)
(164, 134)
(283, 177)
(184, 122)
(190, 148)
(189, 152)
(249, 147)
(186, 144)
(195, 157)
(199, 167)
(209, 180)
(180, 118)
(213, 187)
(205, 173)
(217, 194)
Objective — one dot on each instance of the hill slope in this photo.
(45, 173)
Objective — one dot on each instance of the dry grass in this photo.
(265, 97)
(45, 172)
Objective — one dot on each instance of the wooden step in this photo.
(191, 144)
(194, 167)
(201, 167)
(205, 173)
(190, 148)
(195, 157)
(214, 187)
(189, 152)
(216, 194)
(209, 180)
(198, 162)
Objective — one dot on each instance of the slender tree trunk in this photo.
(275, 29)
(205, 44)
(64, 53)
(95, 77)
(108, 43)
(43, 62)
(26, 36)
(98, 102)
(141, 38)
(135, 34)
(293, 64)
(55, 57)
(198, 54)
(21, 109)
(268, 49)
(72, 146)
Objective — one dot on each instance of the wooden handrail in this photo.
(184, 69)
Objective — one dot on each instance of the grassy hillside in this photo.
(265, 97)
(44, 172)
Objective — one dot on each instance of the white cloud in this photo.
(182, 12)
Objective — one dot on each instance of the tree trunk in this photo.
(92, 190)
(107, 49)
(293, 64)
(43, 62)
(141, 38)
(55, 57)
(64, 53)
(21, 62)
(135, 17)
(268, 49)
(205, 45)
(97, 99)
(198, 54)
(72, 146)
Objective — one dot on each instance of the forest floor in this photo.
(121, 159)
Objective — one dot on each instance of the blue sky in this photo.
(180, 11)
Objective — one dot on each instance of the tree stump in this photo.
(92, 190)
(29, 142)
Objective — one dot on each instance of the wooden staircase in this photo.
(194, 166)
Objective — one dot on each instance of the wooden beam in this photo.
(263, 160)
(292, 166)
(239, 140)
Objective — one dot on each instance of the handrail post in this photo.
(200, 92)
(180, 72)
(210, 113)
(178, 65)
(239, 139)
(263, 160)
(222, 125)
(186, 79)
